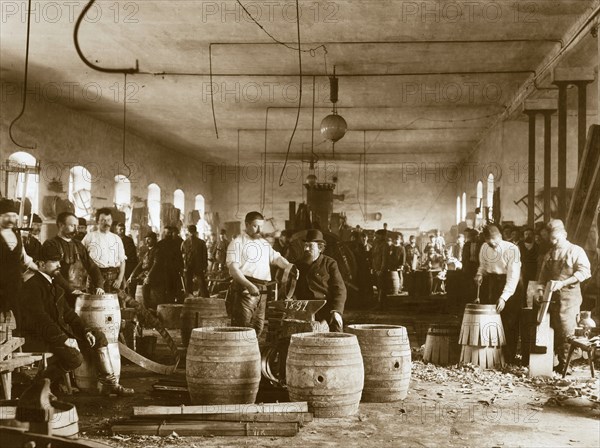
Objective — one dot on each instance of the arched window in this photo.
(458, 210)
(22, 161)
(490, 190)
(199, 205)
(123, 197)
(179, 202)
(479, 200)
(464, 207)
(203, 227)
(154, 207)
(80, 191)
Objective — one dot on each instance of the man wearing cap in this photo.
(320, 279)
(249, 259)
(50, 324)
(13, 260)
(498, 277)
(75, 263)
(195, 262)
(81, 229)
(565, 266)
(107, 251)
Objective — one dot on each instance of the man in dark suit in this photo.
(130, 253)
(165, 275)
(31, 242)
(470, 264)
(52, 325)
(320, 279)
(195, 262)
(529, 257)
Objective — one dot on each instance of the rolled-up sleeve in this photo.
(581, 264)
(513, 271)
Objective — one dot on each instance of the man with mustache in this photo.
(13, 260)
(107, 251)
(249, 259)
(566, 266)
(75, 262)
(50, 324)
(81, 229)
(320, 279)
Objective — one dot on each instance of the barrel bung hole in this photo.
(320, 379)
(396, 365)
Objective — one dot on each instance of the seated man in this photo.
(320, 279)
(49, 322)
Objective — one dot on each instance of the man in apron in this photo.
(498, 277)
(566, 266)
(75, 262)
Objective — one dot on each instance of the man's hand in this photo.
(99, 291)
(336, 323)
(253, 290)
(117, 283)
(90, 338)
(500, 305)
(478, 279)
(539, 296)
(77, 292)
(556, 285)
(72, 343)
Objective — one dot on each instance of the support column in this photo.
(532, 108)
(581, 119)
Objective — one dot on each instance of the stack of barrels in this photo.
(482, 336)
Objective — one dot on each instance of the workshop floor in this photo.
(460, 407)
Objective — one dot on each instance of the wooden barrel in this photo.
(223, 365)
(65, 421)
(484, 357)
(170, 315)
(392, 283)
(326, 370)
(441, 345)
(387, 359)
(202, 312)
(99, 312)
(481, 326)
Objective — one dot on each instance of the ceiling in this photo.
(417, 80)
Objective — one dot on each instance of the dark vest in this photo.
(11, 280)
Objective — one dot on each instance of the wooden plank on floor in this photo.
(221, 409)
(280, 417)
(199, 428)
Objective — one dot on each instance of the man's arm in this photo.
(513, 272)
(90, 266)
(581, 268)
(337, 288)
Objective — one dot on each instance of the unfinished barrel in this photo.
(99, 312)
(200, 312)
(392, 283)
(223, 365)
(387, 359)
(65, 421)
(441, 345)
(481, 326)
(326, 370)
(170, 315)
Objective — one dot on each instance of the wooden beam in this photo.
(539, 105)
(199, 428)
(221, 409)
(573, 74)
(280, 417)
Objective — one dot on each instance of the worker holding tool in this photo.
(497, 280)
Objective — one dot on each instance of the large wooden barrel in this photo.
(392, 283)
(223, 365)
(387, 360)
(481, 326)
(99, 312)
(65, 421)
(326, 370)
(441, 345)
(170, 315)
(202, 312)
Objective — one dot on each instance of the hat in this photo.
(314, 236)
(81, 222)
(50, 252)
(7, 206)
(555, 225)
(36, 218)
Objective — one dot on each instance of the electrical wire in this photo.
(237, 176)
(125, 125)
(212, 96)
(25, 77)
(300, 94)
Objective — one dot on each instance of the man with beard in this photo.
(249, 259)
(50, 324)
(13, 259)
(107, 251)
(195, 262)
(31, 242)
(320, 279)
(529, 257)
(75, 263)
(498, 276)
(130, 253)
(141, 271)
(81, 229)
(566, 266)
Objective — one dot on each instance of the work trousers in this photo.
(247, 310)
(564, 308)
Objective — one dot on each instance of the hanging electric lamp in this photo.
(333, 126)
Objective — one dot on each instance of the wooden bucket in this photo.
(99, 312)
(441, 345)
(484, 357)
(170, 315)
(392, 283)
(326, 370)
(65, 421)
(481, 327)
(387, 360)
(202, 312)
(223, 365)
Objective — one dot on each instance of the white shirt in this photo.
(11, 241)
(106, 249)
(505, 258)
(254, 256)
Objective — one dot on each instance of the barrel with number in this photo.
(223, 365)
(99, 312)
(326, 370)
(387, 359)
(200, 312)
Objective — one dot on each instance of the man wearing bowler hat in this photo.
(320, 279)
(565, 266)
